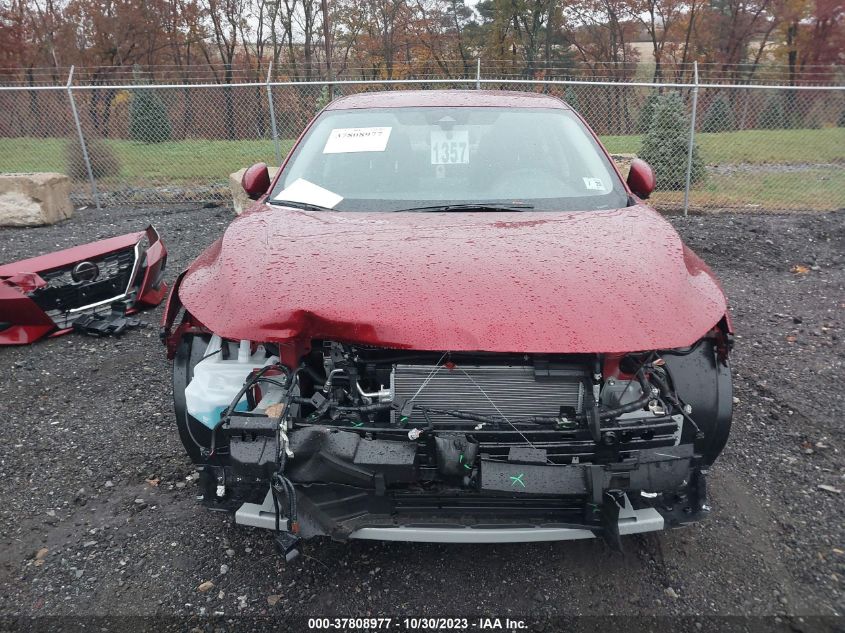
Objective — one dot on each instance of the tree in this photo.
(666, 144)
(812, 36)
(148, 118)
(729, 29)
(571, 97)
(322, 99)
(647, 113)
(719, 116)
(659, 18)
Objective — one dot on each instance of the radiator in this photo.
(516, 391)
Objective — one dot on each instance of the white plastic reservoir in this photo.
(217, 381)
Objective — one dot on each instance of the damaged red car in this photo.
(450, 319)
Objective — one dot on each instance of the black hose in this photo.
(639, 403)
(272, 381)
(319, 380)
(290, 491)
(682, 352)
(673, 398)
(280, 482)
(276, 506)
(461, 415)
(366, 408)
(251, 381)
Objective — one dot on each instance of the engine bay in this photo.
(358, 436)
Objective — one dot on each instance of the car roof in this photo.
(447, 98)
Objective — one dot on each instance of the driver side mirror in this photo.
(641, 178)
(256, 181)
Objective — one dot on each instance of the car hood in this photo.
(542, 282)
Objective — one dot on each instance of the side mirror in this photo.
(641, 179)
(256, 181)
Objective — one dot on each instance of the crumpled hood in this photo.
(580, 282)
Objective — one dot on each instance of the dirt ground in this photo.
(91, 469)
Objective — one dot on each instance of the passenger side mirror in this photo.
(641, 179)
(256, 181)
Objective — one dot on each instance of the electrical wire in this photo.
(499, 411)
(437, 367)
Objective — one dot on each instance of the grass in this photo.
(203, 162)
(812, 189)
(755, 146)
(189, 161)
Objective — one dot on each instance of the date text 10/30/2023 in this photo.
(416, 624)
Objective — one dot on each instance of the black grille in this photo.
(62, 293)
(478, 503)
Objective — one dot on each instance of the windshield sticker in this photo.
(449, 147)
(593, 183)
(301, 190)
(357, 139)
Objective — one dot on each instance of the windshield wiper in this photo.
(474, 206)
(307, 206)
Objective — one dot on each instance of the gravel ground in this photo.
(92, 474)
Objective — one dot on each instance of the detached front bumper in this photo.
(45, 295)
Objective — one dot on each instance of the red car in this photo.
(450, 319)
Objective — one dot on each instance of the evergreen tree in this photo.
(647, 113)
(571, 97)
(322, 99)
(148, 118)
(719, 116)
(841, 121)
(773, 116)
(666, 143)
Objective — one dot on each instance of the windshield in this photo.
(395, 159)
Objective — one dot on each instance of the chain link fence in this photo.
(712, 146)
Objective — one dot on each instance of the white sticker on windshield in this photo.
(449, 148)
(357, 139)
(301, 190)
(593, 183)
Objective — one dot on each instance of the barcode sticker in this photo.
(593, 183)
(357, 139)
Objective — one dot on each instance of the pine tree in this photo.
(647, 113)
(148, 118)
(571, 97)
(773, 116)
(719, 116)
(322, 99)
(666, 144)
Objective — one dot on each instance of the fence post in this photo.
(478, 73)
(273, 128)
(691, 137)
(82, 140)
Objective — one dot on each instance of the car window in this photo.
(389, 159)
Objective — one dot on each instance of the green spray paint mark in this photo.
(517, 479)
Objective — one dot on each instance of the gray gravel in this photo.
(92, 471)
